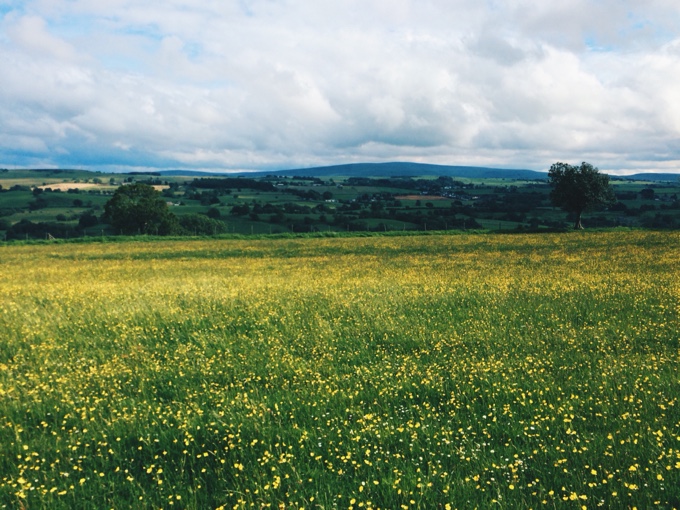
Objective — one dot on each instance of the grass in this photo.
(435, 371)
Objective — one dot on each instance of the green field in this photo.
(45, 204)
(421, 371)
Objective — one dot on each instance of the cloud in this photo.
(29, 34)
(273, 84)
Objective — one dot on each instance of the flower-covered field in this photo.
(509, 371)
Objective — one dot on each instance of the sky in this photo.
(235, 85)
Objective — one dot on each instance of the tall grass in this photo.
(382, 372)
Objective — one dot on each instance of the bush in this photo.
(88, 219)
(197, 224)
(38, 203)
(214, 213)
(240, 210)
(27, 229)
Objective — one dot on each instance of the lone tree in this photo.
(140, 209)
(579, 188)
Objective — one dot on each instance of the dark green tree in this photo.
(87, 219)
(579, 188)
(197, 224)
(647, 193)
(140, 209)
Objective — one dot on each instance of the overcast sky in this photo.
(276, 84)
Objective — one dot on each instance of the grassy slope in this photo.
(382, 371)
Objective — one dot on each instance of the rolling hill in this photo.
(395, 169)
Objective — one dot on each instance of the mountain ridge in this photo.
(388, 169)
(392, 169)
(406, 169)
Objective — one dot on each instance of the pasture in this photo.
(440, 371)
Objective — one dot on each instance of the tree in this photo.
(197, 224)
(214, 213)
(87, 219)
(579, 188)
(140, 209)
(647, 193)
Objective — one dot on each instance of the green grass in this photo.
(505, 371)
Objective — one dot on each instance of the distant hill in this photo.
(404, 169)
(652, 177)
(191, 173)
(393, 169)
(396, 169)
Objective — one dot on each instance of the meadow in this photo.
(429, 371)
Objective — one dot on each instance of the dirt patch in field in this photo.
(420, 197)
(65, 186)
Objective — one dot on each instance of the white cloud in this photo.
(30, 35)
(268, 83)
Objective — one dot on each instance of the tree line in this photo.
(138, 208)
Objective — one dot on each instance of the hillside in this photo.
(653, 177)
(404, 169)
(358, 197)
